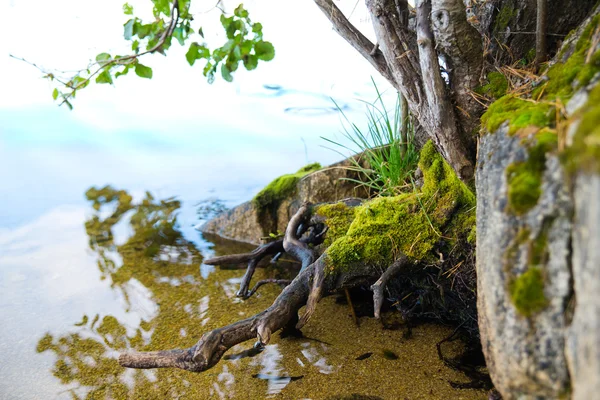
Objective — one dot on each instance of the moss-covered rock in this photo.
(282, 187)
(525, 178)
(527, 292)
(410, 223)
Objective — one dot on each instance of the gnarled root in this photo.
(211, 347)
(378, 287)
(252, 258)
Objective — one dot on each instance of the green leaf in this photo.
(127, 9)
(102, 58)
(226, 73)
(201, 32)
(128, 29)
(240, 12)
(192, 54)
(142, 71)
(178, 34)
(257, 28)
(237, 52)
(104, 77)
(250, 62)
(246, 47)
(135, 46)
(124, 71)
(55, 93)
(264, 50)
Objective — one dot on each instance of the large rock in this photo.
(243, 223)
(524, 354)
(583, 341)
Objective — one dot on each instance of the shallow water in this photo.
(82, 281)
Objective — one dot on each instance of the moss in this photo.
(471, 239)
(520, 114)
(281, 187)
(525, 177)
(411, 223)
(564, 78)
(561, 81)
(527, 292)
(496, 87)
(502, 20)
(584, 153)
(339, 217)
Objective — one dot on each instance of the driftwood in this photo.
(306, 288)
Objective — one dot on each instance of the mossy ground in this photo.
(410, 223)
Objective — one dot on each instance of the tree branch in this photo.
(353, 36)
(445, 134)
(462, 47)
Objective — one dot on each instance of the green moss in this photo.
(561, 81)
(496, 87)
(472, 238)
(505, 15)
(518, 112)
(339, 217)
(410, 223)
(564, 78)
(281, 187)
(527, 292)
(584, 153)
(525, 177)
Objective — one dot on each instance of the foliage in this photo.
(389, 154)
(173, 20)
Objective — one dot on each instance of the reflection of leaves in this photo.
(210, 208)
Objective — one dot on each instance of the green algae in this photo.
(410, 223)
(527, 292)
(282, 187)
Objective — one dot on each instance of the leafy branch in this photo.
(244, 44)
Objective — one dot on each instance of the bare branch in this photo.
(541, 52)
(353, 36)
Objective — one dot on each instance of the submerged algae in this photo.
(410, 223)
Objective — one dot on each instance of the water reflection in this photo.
(142, 254)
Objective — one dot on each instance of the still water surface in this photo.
(86, 274)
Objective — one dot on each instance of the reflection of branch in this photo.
(118, 61)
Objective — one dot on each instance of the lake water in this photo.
(82, 281)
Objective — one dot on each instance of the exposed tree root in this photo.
(378, 287)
